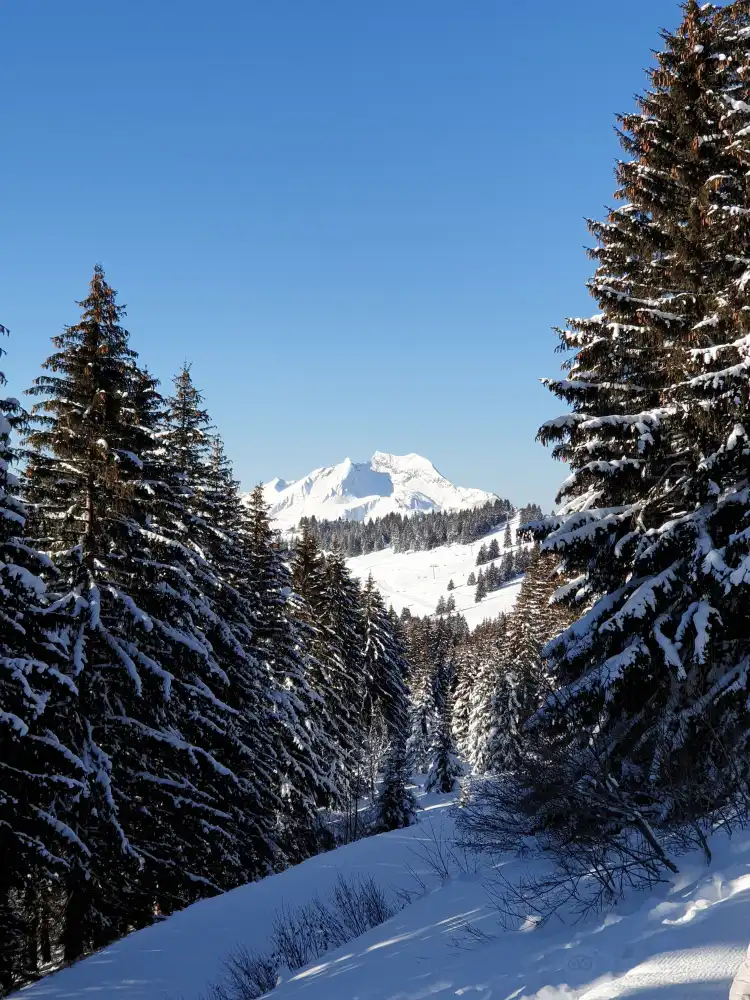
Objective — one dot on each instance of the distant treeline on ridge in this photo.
(416, 532)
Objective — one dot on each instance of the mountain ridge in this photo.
(361, 491)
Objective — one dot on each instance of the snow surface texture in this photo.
(681, 942)
(416, 580)
(387, 484)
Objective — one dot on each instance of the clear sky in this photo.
(358, 220)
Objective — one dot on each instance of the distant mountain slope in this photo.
(416, 580)
(362, 490)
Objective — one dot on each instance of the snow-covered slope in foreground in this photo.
(416, 580)
(682, 942)
(357, 491)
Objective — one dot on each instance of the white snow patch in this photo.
(684, 941)
(416, 580)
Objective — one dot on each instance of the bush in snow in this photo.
(299, 936)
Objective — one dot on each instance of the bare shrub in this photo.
(249, 975)
(443, 857)
(358, 906)
(301, 935)
(564, 804)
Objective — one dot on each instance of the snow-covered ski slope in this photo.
(682, 942)
(416, 580)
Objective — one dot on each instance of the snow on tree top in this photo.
(363, 490)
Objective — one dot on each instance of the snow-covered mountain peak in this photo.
(277, 485)
(363, 490)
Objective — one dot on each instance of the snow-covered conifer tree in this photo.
(445, 769)
(521, 681)
(38, 772)
(651, 531)
(140, 662)
(207, 507)
(293, 704)
(325, 668)
(386, 668)
(343, 614)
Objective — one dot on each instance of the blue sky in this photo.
(359, 221)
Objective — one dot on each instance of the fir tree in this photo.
(493, 550)
(209, 511)
(326, 671)
(344, 616)
(522, 682)
(445, 769)
(651, 524)
(422, 703)
(481, 660)
(471, 579)
(292, 704)
(451, 585)
(82, 476)
(385, 664)
(386, 701)
(37, 770)
(140, 662)
(386, 669)
(507, 537)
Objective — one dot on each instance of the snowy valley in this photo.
(368, 734)
(417, 580)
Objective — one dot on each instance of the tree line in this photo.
(183, 702)
(415, 532)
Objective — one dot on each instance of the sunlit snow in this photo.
(683, 941)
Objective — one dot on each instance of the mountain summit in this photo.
(358, 491)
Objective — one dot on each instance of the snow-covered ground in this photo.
(682, 942)
(416, 580)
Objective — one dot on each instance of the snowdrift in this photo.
(682, 942)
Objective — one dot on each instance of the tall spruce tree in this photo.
(522, 683)
(324, 668)
(207, 507)
(482, 660)
(445, 769)
(151, 810)
(38, 771)
(343, 613)
(292, 703)
(422, 708)
(386, 668)
(651, 531)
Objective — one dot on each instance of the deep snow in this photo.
(416, 580)
(363, 490)
(682, 942)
